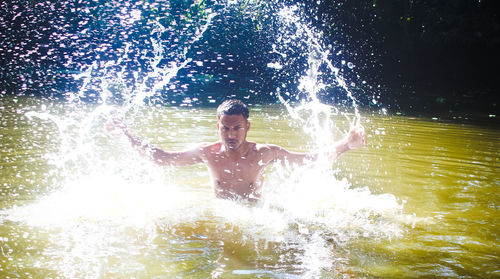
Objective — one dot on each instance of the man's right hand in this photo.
(115, 126)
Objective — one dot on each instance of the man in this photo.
(235, 164)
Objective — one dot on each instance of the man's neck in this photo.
(241, 151)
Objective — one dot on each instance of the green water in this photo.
(79, 204)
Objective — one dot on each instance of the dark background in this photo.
(428, 55)
(414, 57)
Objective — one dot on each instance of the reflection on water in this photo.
(421, 200)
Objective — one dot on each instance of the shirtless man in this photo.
(235, 164)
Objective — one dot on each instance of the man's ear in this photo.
(248, 125)
(217, 125)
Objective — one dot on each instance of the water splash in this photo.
(163, 75)
(320, 74)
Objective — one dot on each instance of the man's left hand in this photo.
(356, 137)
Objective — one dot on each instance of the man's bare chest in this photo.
(243, 168)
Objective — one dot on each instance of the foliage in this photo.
(410, 53)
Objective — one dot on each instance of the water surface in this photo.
(420, 200)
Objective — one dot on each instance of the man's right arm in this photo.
(157, 155)
(162, 157)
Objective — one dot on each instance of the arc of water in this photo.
(143, 91)
(86, 75)
(317, 56)
(166, 74)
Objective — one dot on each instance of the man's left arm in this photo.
(356, 138)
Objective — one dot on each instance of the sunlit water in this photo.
(420, 200)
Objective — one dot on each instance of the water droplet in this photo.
(275, 65)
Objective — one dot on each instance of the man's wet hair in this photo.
(232, 107)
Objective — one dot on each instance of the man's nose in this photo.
(231, 134)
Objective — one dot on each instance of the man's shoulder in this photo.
(267, 152)
(265, 146)
(267, 149)
(209, 146)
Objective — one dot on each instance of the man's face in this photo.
(233, 130)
